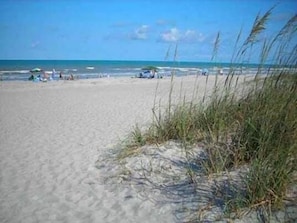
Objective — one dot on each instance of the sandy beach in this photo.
(54, 140)
(53, 133)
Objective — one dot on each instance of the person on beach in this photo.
(146, 74)
(31, 78)
(71, 77)
(204, 72)
(221, 71)
(53, 74)
(152, 74)
(157, 75)
(45, 76)
(61, 76)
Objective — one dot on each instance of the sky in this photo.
(131, 29)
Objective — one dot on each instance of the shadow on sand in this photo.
(168, 176)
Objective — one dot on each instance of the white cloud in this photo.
(173, 35)
(188, 36)
(193, 36)
(141, 33)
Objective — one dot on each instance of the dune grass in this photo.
(252, 124)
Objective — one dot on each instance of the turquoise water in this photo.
(20, 69)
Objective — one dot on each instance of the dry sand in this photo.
(53, 133)
(51, 136)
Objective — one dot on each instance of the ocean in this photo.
(11, 70)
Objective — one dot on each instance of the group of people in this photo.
(149, 74)
(153, 73)
(70, 77)
(45, 77)
(205, 72)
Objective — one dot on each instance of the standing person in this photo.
(45, 76)
(221, 72)
(152, 74)
(61, 76)
(53, 74)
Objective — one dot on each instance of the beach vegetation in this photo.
(251, 124)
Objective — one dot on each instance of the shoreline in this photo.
(14, 70)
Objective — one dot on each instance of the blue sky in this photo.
(130, 29)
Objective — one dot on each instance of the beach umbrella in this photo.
(35, 70)
(150, 68)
